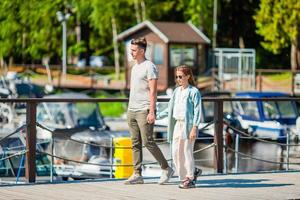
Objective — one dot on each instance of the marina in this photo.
(149, 100)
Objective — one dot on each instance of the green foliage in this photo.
(30, 30)
(77, 48)
(76, 71)
(266, 59)
(103, 13)
(278, 21)
(10, 28)
(200, 13)
(168, 10)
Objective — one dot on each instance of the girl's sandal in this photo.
(187, 183)
(197, 173)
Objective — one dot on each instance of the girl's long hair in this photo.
(186, 71)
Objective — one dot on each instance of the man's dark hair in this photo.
(140, 42)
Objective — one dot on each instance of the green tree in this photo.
(10, 29)
(29, 29)
(108, 18)
(168, 10)
(103, 11)
(278, 21)
(200, 13)
(44, 28)
(80, 39)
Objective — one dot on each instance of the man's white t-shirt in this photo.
(139, 86)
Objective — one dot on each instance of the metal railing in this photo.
(218, 144)
(243, 135)
(112, 148)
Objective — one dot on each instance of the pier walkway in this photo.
(240, 186)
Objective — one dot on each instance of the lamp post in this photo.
(215, 29)
(63, 19)
(215, 25)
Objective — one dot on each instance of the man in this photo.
(141, 112)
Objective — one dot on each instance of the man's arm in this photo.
(152, 97)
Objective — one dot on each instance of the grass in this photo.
(78, 72)
(122, 76)
(203, 78)
(34, 76)
(111, 109)
(281, 76)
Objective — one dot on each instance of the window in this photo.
(182, 54)
(86, 114)
(250, 109)
(129, 56)
(227, 108)
(158, 54)
(270, 110)
(208, 111)
(149, 51)
(286, 109)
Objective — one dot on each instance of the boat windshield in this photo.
(209, 110)
(69, 115)
(161, 106)
(279, 109)
(249, 109)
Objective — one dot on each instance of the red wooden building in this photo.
(169, 44)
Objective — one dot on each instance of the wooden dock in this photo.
(240, 186)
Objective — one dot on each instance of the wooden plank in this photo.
(236, 187)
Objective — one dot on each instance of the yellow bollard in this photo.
(123, 156)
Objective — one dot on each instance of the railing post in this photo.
(30, 141)
(236, 154)
(111, 157)
(293, 83)
(288, 151)
(218, 136)
(225, 156)
(52, 158)
(260, 81)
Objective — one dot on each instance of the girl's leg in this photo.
(181, 159)
(189, 162)
(177, 151)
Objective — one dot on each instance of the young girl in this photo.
(184, 113)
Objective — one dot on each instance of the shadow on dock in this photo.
(238, 183)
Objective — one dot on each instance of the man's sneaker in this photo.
(134, 179)
(166, 175)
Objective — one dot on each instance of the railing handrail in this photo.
(104, 100)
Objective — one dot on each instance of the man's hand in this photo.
(193, 133)
(151, 118)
